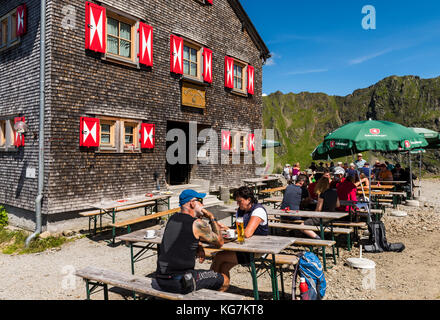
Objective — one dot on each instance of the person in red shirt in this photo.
(346, 191)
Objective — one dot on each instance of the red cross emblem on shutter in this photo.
(374, 131)
(226, 140)
(21, 20)
(18, 136)
(251, 142)
(207, 65)
(250, 87)
(176, 58)
(229, 72)
(407, 144)
(145, 44)
(89, 132)
(147, 136)
(95, 27)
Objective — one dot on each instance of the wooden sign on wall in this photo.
(193, 96)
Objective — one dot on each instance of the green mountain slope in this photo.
(301, 120)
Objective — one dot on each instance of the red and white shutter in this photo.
(21, 20)
(89, 132)
(251, 142)
(95, 27)
(229, 72)
(226, 140)
(147, 135)
(145, 44)
(18, 137)
(207, 65)
(176, 57)
(250, 74)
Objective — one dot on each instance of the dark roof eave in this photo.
(253, 33)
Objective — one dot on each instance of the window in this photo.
(239, 76)
(192, 60)
(120, 36)
(131, 140)
(243, 142)
(8, 30)
(119, 135)
(107, 138)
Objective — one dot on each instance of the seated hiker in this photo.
(328, 201)
(384, 174)
(181, 245)
(255, 223)
(293, 196)
(364, 182)
(347, 191)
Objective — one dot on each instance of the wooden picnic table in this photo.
(256, 181)
(321, 215)
(111, 207)
(255, 245)
(382, 186)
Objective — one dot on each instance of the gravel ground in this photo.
(411, 274)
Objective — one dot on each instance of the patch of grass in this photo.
(13, 242)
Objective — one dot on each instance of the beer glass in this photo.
(240, 230)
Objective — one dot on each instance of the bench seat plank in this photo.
(291, 226)
(144, 218)
(146, 286)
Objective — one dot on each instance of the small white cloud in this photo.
(307, 71)
(369, 57)
(271, 60)
(264, 94)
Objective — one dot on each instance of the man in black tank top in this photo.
(181, 246)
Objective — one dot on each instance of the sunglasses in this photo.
(199, 200)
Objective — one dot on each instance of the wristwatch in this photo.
(212, 220)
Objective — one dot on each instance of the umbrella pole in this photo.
(410, 175)
(363, 192)
(420, 172)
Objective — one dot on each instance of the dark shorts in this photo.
(312, 222)
(204, 279)
(245, 258)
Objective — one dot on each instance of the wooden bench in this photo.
(130, 222)
(98, 277)
(281, 260)
(272, 190)
(92, 215)
(275, 200)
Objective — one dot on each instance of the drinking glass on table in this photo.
(240, 230)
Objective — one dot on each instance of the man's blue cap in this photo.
(189, 194)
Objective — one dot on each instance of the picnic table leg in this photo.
(323, 248)
(113, 228)
(87, 289)
(105, 292)
(131, 258)
(273, 274)
(254, 277)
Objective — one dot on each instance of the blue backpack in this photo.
(310, 268)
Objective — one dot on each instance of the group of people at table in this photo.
(359, 170)
(186, 230)
(319, 189)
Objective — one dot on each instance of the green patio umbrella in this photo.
(270, 144)
(433, 137)
(369, 135)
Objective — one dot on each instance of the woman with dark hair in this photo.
(255, 223)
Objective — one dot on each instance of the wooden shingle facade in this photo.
(124, 94)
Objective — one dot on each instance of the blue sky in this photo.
(321, 45)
